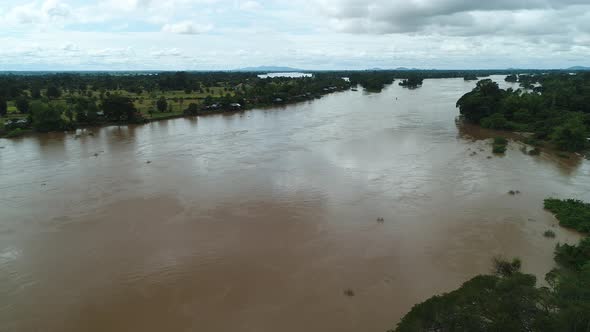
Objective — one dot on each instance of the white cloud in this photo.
(47, 12)
(186, 28)
(250, 6)
(70, 47)
(166, 52)
(322, 34)
(454, 17)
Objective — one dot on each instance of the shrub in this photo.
(499, 149)
(15, 133)
(499, 145)
(571, 213)
(505, 268)
(500, 141)
(495, 121)
(574, 257)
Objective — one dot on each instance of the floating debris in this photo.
(96, 154)
(148, 162)
(514, 192)
(349, 292)
(380, 220)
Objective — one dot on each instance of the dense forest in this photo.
(555, 107)
(508, 300)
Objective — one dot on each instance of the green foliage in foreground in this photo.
(484, 303)
(574, 257)
(508, 303)
(571, 213)
(508, 300)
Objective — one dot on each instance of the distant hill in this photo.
(268, 69)
(578, 68)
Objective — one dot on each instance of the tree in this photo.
(484, 303)
(35, 93)
(412, 82)
(193, 109)
(162, 104)
(495, 121)
(84, 109)
(3, 106)
(53, 92)
(46, 117)
(570, 136)
(481, 102)
(22, 104)
(511, 78)
(119, 108)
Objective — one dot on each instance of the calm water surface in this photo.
(258, 221)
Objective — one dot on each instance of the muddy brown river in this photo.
(259, 221)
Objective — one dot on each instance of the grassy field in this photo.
(178, 100)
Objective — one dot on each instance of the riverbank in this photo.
(151, 117)
(560, 120)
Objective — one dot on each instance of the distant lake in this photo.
(293, 75)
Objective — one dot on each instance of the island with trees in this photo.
(412, 82)
(371, 81)
(512, 78)
(557, 111)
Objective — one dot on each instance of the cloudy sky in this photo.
(321, 34)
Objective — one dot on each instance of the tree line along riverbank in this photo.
(31, 101)
(553, 108)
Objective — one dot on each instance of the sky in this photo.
(314, 35)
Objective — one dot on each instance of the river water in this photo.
(259, 221)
